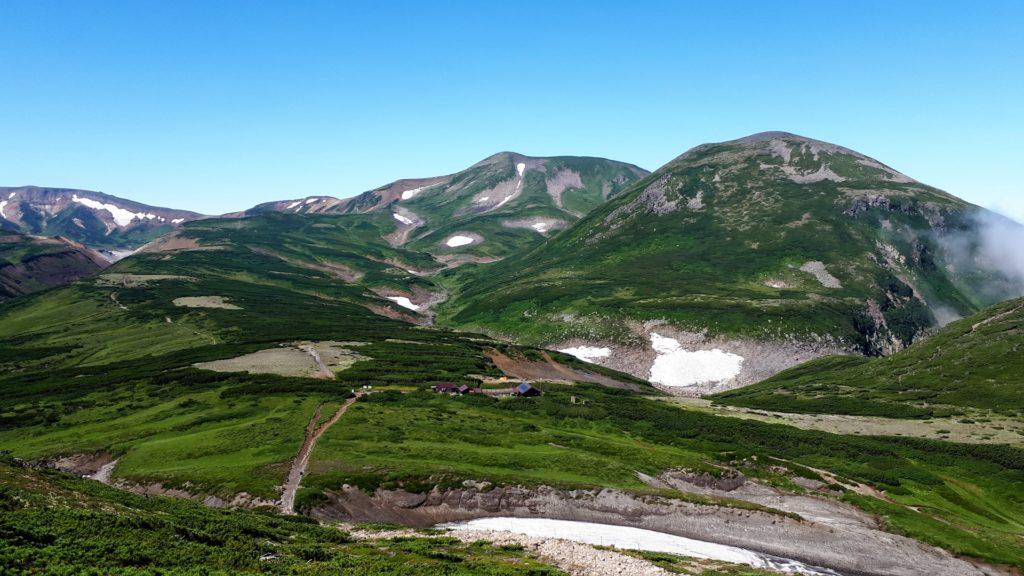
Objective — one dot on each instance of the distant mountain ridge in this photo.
(93, 218)
(495, 207)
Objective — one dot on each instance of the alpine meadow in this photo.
(773, 354)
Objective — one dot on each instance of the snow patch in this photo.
(587, 353)
(540, 227)
(403, 302)
(403, 219)
(456, 241)
(293, 204)
(311, 200)
(520, 168)
(177, 221)
(3, 204)
(11, 195)
(676, 366)
(412, 193)
(121, 216)
(629, 538)
(484, 199)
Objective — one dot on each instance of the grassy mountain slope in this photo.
(974, 363)
(54, 523)
(92, 218)
(106, 368)
(504, 203)
(32, 263)
(773, 237)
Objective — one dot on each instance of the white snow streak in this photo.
(628, 538)
(587, 353)
(403, 302)
(456, 241)
(403, 219)
(520, 168)
(413, 192)
(177, 221)
(676, 366)
(540, 227)
(11, 195)
(3, 204)
(311, 200)
(121, 216)
(293, 204)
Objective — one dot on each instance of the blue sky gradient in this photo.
(217, 106)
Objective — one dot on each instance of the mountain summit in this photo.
(770, 249)
(502, 204)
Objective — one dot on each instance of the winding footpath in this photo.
(298, 470)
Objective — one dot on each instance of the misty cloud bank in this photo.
(994, 245)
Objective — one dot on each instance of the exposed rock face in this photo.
(43, 263)
(854, 548)
(92, 218)
(761, 358)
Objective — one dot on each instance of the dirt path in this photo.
(298, 470)
(989, 320)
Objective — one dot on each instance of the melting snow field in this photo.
(456, 241)
(3, 204)
(402, 219)
(675, 366)
(413, 192)
(587, 353)
(540, 227)
(625, 537)
(403, 302)
(121, 216)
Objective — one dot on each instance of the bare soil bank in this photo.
(842, 542)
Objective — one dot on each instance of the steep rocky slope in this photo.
(32, 263)
(972, 364)
(95, 219)
(503, 204)
(739, 259)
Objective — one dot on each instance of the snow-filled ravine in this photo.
(628, 538)
(587, 353)
(456, 241)
(403, 302)
(676, 366)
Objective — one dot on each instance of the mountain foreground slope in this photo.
(97, 220)
(973, 364)
(739, 259)
(201, 366)
(32, 263)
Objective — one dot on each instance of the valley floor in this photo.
(983, 428)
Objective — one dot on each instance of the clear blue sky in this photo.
(216, 106)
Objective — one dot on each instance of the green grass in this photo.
(51, 523)
(706, 269)
(960, 367)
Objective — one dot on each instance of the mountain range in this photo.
(517, 339)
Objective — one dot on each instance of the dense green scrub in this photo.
(106, 365)
(53, 523)
(974, 363)
(716, 240)
(967, 497)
